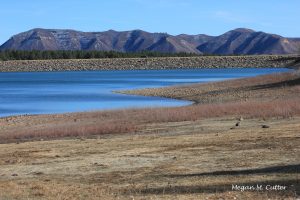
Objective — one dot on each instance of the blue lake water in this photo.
(59, 92)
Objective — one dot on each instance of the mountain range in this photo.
(237, 41)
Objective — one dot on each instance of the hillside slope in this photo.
(238, 41)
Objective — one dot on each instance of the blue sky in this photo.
(212, 17)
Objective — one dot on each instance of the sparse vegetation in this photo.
(176, 160)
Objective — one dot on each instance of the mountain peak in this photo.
(243, 30)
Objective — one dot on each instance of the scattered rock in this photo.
(237, 124)
(37, 173)
(142, 63)
(265, 126)
(99, 164)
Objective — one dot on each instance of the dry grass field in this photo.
(174, 160)
(243, 132)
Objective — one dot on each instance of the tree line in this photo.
(77, 54)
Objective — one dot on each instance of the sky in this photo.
(212, 17)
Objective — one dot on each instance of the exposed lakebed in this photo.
(60, 92)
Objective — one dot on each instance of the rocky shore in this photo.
(145, 63)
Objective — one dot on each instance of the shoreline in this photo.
(150, 92)
(192, 92)
(258, 61)
(188, 102)
(242, 92)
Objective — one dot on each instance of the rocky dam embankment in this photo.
(261, 61)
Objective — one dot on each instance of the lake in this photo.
(60, 92)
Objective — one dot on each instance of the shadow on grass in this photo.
(266, 170)
(287, 83)
(292, 185)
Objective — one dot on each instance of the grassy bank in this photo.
(269, 96)
(47, 127)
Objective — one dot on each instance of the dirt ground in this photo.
(179, 160)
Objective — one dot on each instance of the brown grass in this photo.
(180, 160)
(131, 120)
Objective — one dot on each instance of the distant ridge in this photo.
(237, 41)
